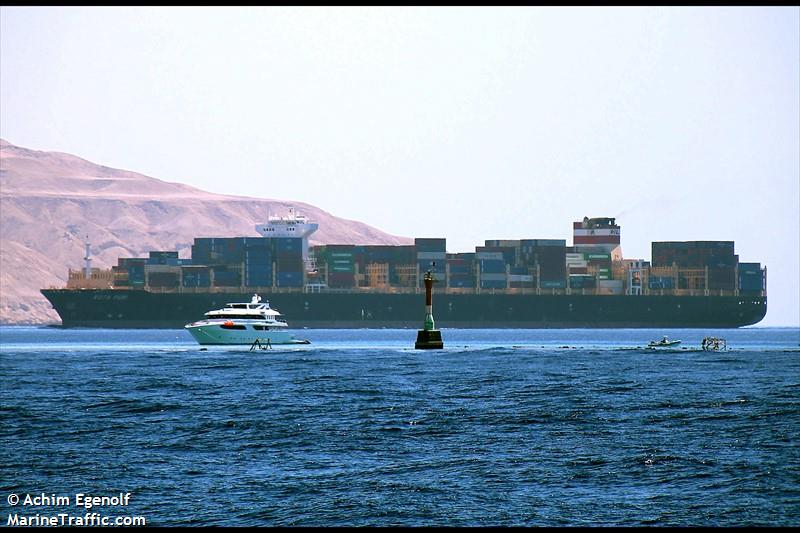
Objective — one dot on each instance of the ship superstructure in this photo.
(292, 226)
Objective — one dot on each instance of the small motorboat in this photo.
(714, 344)
(663, 343)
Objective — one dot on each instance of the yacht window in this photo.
(233, 326)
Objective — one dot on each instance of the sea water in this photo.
(501, 427)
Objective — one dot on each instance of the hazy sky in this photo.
(464, 123)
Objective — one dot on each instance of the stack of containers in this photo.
(430, 250)
(162, 269)
(549, 255)
(376, 265)
(599, 263)
(359, 265)
(493, 261)
(751, 279)
(258, 255)
(196, 276)
(120, 276)
(341, 266)
(163, 258)
(718, 256)
(576, 264)
(218, 251)
(520, 277)
(402, 266)
(520, 262)
(462, 270)
(582, 281)
(229, 250)
(227, 275)
(201, 251)
(289, 265)
(134, 267)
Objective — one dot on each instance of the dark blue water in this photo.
(503, 427)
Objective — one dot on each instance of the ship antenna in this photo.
(87, 265)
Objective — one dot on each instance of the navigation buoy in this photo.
(429, 337)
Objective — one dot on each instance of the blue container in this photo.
(285, 244)
(289, 279)
(490, 266)
(258, 243)
(257, 258)
(582, 282)
(430, 245)
(460, 268)
(258, 281)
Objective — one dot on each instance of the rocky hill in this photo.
(49, 202)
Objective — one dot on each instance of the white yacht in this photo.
(254, 324)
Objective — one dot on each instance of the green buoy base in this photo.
(429, 339)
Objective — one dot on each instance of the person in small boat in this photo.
(664, 340)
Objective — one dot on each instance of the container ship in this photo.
(524, 283)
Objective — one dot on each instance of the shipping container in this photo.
(431, 256)
(193, 280)
(287, 244)
(582, 282)
(461, 267)
(721, 278)
(507, 254)
(162, 258)
(490, 266)
(430, 245)
(289, 279)
(749, 267)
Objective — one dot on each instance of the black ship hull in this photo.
(110, 308)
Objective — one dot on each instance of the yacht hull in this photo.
(214, 334)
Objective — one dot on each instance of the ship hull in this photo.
(109, 308)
